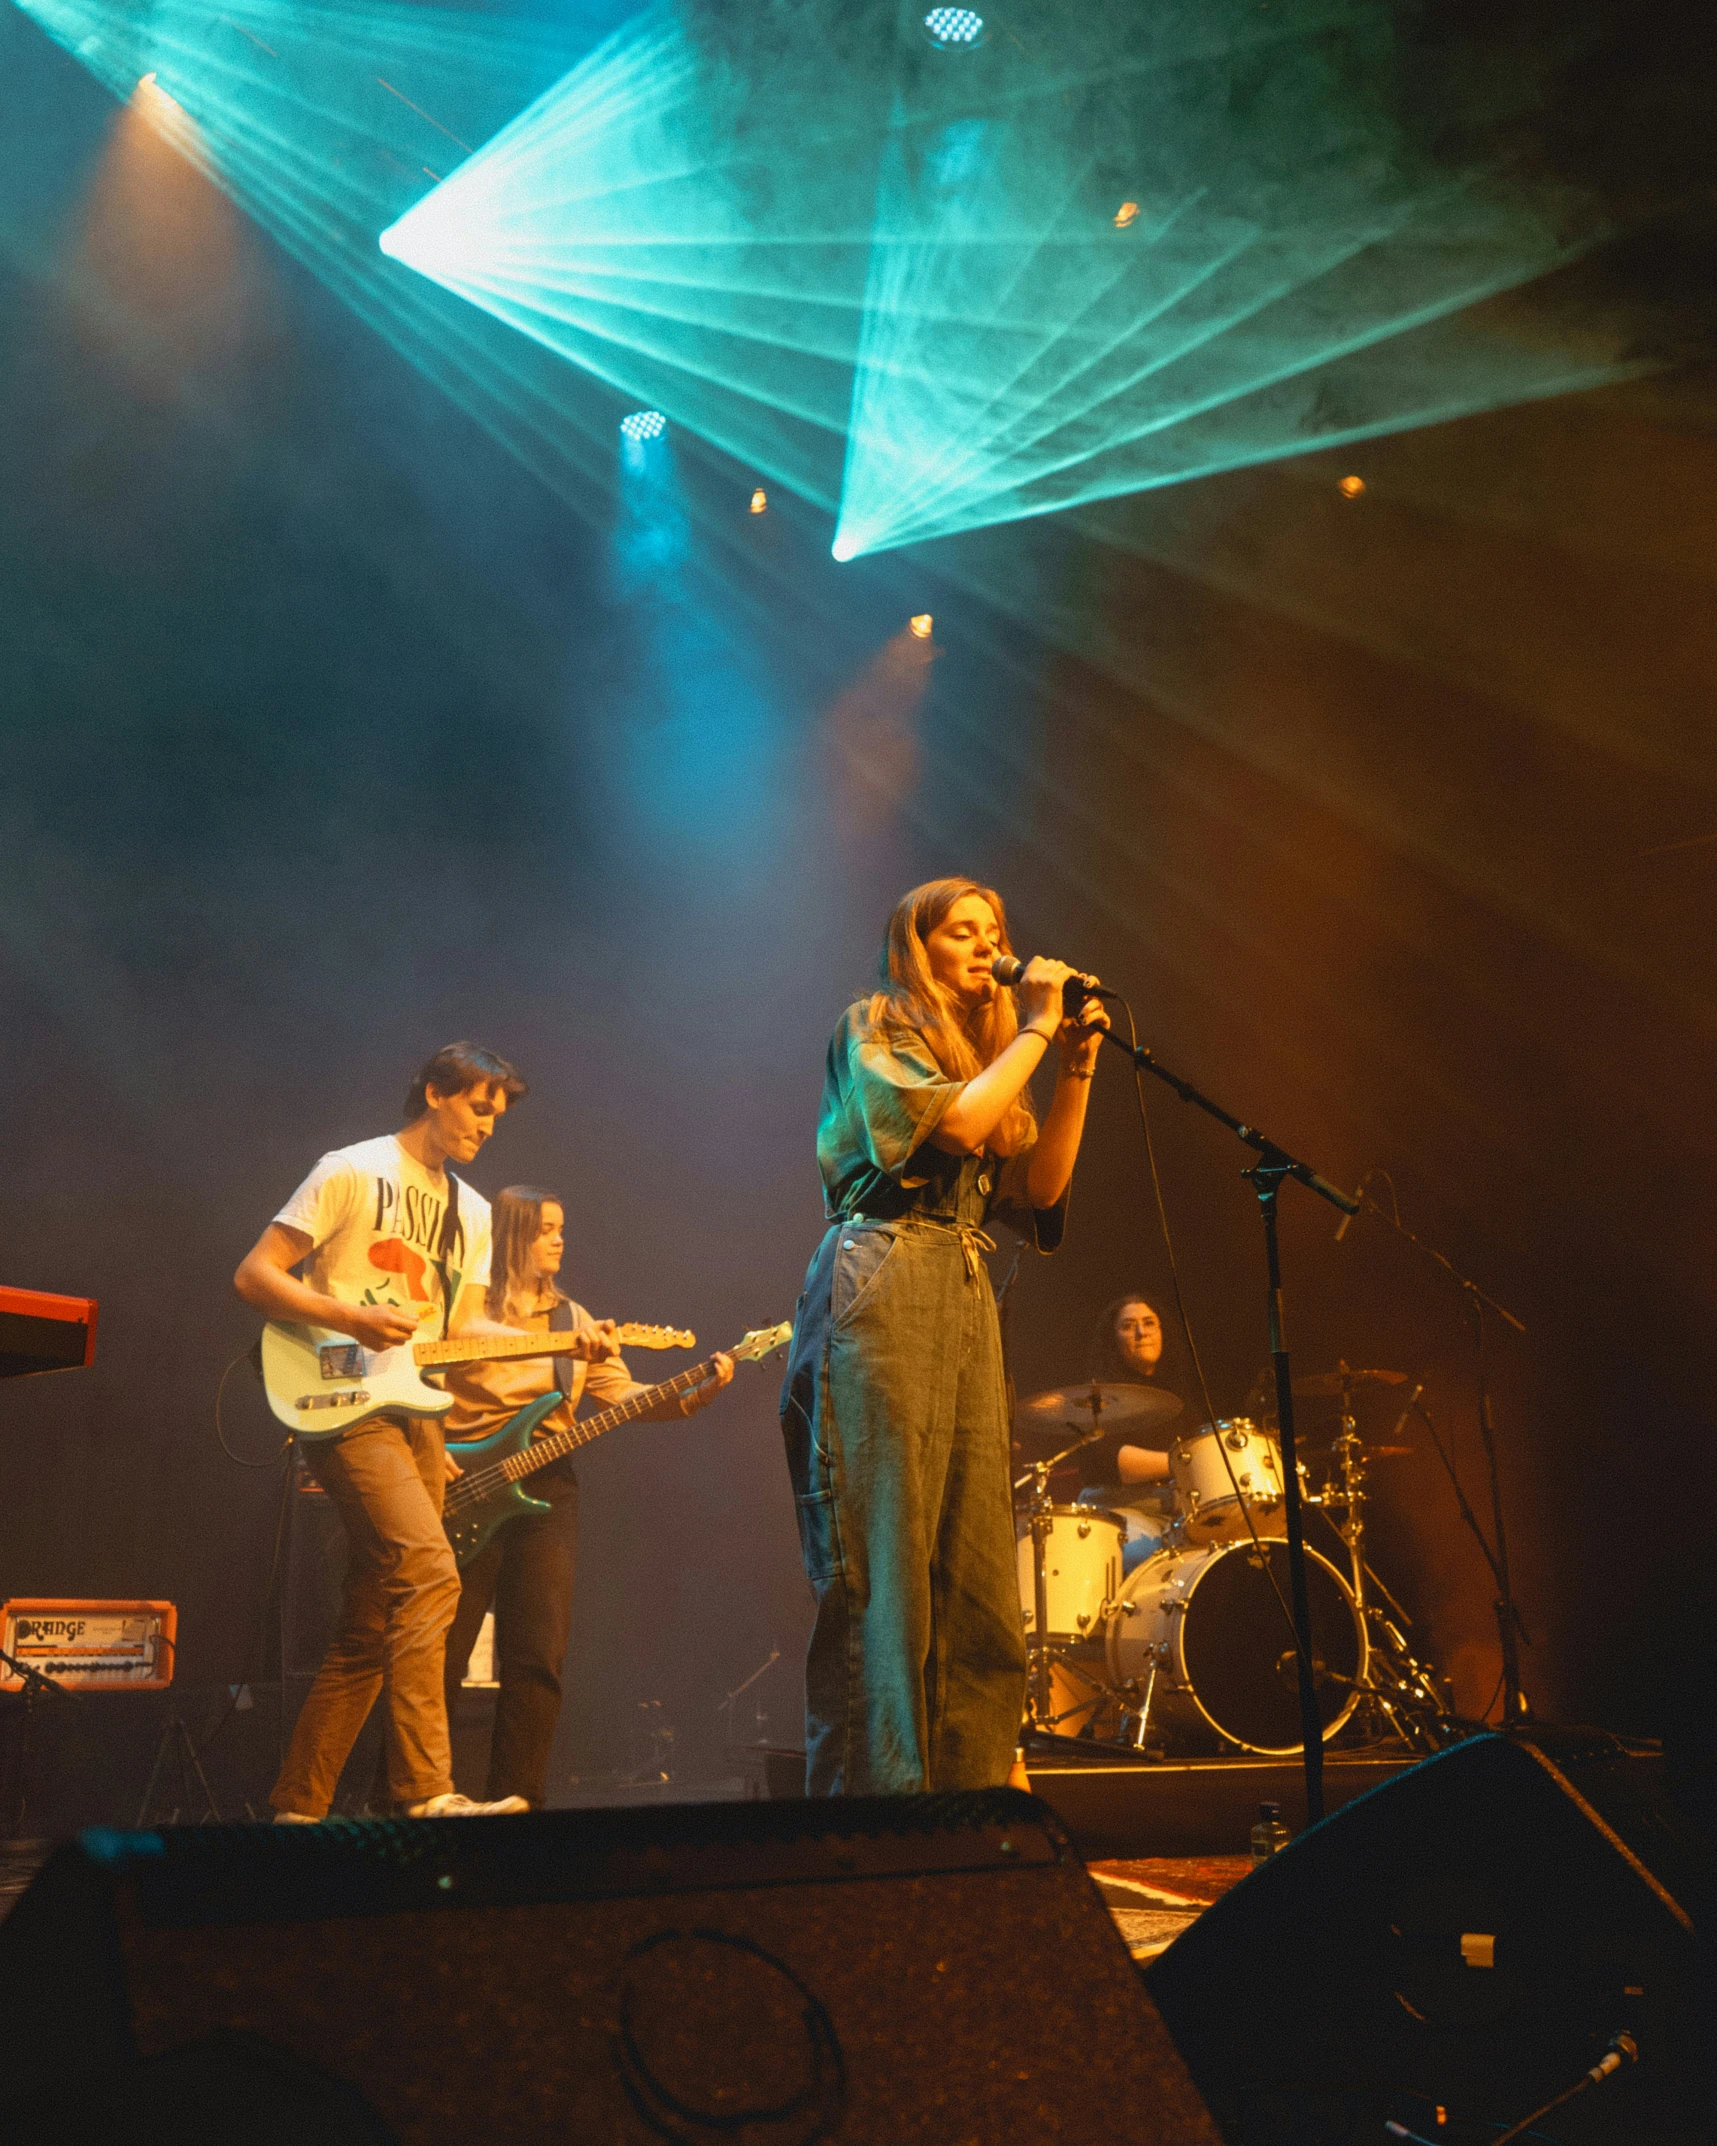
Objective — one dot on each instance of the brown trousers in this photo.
(401, 1592)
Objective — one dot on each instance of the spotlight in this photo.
(643, 425)
(843, 548)
(759, 501)
(954, 29)
(151, 86)
(1351, 487)
(1127, 213)
(920, 625)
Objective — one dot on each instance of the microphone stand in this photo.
(1510, 1625)
(35, 1687)
(1267, 1173)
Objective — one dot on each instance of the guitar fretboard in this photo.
(486, 1348)
(469, 1489)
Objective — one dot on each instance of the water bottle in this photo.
(1269, 1835)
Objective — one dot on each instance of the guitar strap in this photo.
(449, 1237)
(560, 1322)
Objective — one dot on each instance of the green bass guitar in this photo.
(491, 1492)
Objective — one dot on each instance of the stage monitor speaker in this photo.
(933, 1969)
(1467, 1937)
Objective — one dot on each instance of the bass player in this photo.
(526, 1570)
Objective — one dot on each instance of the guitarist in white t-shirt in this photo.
(390, 1239)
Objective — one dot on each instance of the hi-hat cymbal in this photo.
(1093, 1408)
(1320, 1384)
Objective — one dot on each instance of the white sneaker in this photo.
(454, 1805)
(295, 1818)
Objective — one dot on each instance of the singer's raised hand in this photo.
(1041, 994)
(1081, 1037)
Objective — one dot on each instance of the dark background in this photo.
(328, 735)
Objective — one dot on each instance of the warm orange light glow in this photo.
(1126, 214)
(921, 624)
(151, 86)
(759, 500)
(1351, 487)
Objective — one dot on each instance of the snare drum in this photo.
(1145, 1510)
(1210, 1463)
(1081, 1569)
(1204, 1627)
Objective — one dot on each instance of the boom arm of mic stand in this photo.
(1460, 1280)
(1260, 1143)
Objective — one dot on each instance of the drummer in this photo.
(1126, 1345)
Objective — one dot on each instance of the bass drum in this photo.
(1205, 1617)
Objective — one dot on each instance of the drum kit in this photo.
(1156, 1614)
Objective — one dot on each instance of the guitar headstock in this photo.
(762, 1341)
(634, 1336)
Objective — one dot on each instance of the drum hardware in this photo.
(1510, 1625)
(1394, 1688)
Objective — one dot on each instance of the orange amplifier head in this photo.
(90, 1646)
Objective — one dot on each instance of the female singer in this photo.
(894, 1408)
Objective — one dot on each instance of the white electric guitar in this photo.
(320, 1383)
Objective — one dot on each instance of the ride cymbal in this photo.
(1321, 1385)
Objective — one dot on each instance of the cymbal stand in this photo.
(1406, 1695)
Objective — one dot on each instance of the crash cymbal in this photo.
(1319, 1385)
(1093, 1408)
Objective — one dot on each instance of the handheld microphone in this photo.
(1007, 969)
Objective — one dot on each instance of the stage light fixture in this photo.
(921, 625)
(843, 549)
(643, 425)
(759, 501)
(1351, 487)
(954, 29)
(1127, 213)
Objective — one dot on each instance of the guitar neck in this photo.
(543, 1451)
(488, 1348)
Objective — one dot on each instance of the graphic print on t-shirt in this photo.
(416, 1218)
(394, 1256)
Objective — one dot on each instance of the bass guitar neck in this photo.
(490, 1491)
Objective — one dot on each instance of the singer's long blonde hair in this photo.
(962, 1043)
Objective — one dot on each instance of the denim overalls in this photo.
(894, 1413)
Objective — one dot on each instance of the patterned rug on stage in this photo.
(1154, 1898)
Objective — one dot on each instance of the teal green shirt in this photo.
(883, 1096)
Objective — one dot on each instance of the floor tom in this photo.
(1081, 1569)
